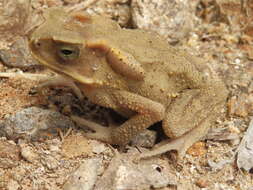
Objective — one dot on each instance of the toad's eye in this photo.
(68, 52)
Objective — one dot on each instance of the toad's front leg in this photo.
(147, 111)
(59, 80)
(46, 81)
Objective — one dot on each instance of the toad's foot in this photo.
(180, 144)
(165, 146)
(101, 133)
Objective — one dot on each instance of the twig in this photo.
(24, 75)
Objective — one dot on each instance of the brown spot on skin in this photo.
(81, 17)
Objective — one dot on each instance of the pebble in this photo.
(172, 19)
(28, 153)
(76, 145)
(18, 55)
(50, 162)
(245, 150)
(85, 176)
(123, 174)
(34, 123)
(145, 139)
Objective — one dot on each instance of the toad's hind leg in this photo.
(188, 119)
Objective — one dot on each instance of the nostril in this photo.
(38, 44)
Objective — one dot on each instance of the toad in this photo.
(134, 72)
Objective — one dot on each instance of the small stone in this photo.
(145, 139)
(75, 145)
(197, 149)
(241, 105)
(85, 176)
(50, 162)
(172, 19)
(123, 174)
(118, 10)
(54, 148)
(219, 165)
(18, 55)
(245, 150)
(98, 147)
(230, 133)
(28, 153)
(34, 124)
(202, 183)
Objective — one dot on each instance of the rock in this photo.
(9, 154)
(76, 145)
(118, 10)
(171, 19)
(146, 139)
(197, 149)
(50, 162)
(245, 150)
(85, 176)
(202, 183)
(241, 105)
(17, 54)
(219, 165)
(123, 174)
(33, 124)
(100, 148)
(28, 153)
(230, 133)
